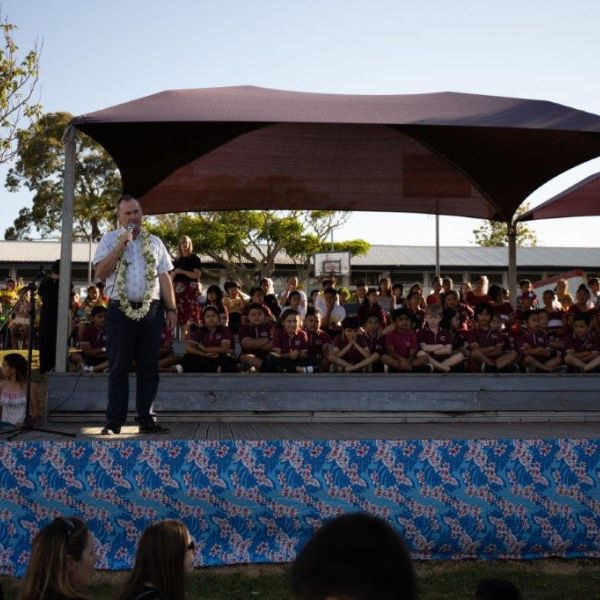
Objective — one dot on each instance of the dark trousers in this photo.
(276, 364)
(128, 340)
(194, 363)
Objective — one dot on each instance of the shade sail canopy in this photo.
(580, 200)
(248, 147)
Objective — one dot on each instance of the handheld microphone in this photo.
(130, 229)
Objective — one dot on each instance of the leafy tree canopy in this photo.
(39, 168)
(494, 233)
(247, 243)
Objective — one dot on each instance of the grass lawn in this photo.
(538, 580)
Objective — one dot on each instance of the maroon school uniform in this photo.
(364, 312)
(287, 343)
(212, 338)
(433, 299)
(465, 316)
(417, 318)
(485, 338)
(442, 336)
(402, 342)
(458, 341)
(316, 341)
(260, 332)
(96, 338)
(473, 300)
(504, 310)
(534, 339)
(353, 356)
(375, 343)
(587, 343)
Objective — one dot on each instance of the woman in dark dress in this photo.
(165, 554)
(186, 279)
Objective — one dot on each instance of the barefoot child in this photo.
(437, 342)
(12, 389)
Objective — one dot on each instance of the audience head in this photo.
(384, 287)
(495, 294)
(257, 295)
(543, 320)
(527, 300)
(292, 281)
(373, 323)
(232, 289)
(312, 320)
(290, 320)
(354, 557)
(92, 293)
(294, 298)
(397, 291)
(266, 284)
(361, 290)
(62, 561)
(594, 284)
(451, 299)
(372, 296)
(10, 284)
(497, 589)
(98, 316)
(414, 300)
(416, 287)
(15, 365)
(496, 322)
(530, 318)
(185, 247)
(481, 285)
(450, 319)
(401, 318)
(256, 314)
(436, 284)
(433, 315)
(525, 285)
(328, 282)
(447, 284)
(165, 554)
(214, 295)
(483, 314)
(210, 316)
(350, 326)
(330, 295)
(562, 287)
(581, 324)
(548, 298)
(582, 295)
(314, 294)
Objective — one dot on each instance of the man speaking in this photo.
(136, 268)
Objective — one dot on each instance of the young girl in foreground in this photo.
(165, 554)
(12, 389)
(62, 562)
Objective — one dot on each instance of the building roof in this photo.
(398, 257)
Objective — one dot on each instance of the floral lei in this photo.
(137, 314)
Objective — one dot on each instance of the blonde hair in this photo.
(184, 238)
(48, 570)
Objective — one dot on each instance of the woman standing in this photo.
(62, 562)
(186, 282)
(165, 554)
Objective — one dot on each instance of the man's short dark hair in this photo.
(125, 198)
(497, 589)
(355, 556)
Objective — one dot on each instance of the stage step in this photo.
(359, 398)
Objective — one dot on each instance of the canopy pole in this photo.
(437, 244)
(512, 260)
(66, 248)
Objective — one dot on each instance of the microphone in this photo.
(130, 229)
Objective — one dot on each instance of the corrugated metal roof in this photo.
(398, 257)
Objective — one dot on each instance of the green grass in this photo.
(538, 580)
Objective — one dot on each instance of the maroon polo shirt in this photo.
(287, 343)
(402, 342)
(96, 338)
(534, 339)
(210, 338)
(426, 336)
(581, 344)
(473, 300)
(364, 312)
(375, 343)
(353, 356)
(505, 310)
(485, 338)
(262, 332)
(316, 341)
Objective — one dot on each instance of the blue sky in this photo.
(96, 54)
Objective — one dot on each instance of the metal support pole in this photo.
(66, 248)
(512, 260)
(437, 245)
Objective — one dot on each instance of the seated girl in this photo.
(535, 348)
(371, 306)
(209, 348)
(294, 300)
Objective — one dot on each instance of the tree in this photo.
(247, 243)
(494, 233)
(18, 80)
(40, 167)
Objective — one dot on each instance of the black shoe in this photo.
(111, 429)
(152, 427)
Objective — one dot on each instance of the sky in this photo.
(98, 54)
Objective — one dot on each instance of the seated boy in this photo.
(490, 350)
(319, 342)
(437, 342)
(332, 313)
(510, 353)
(255, 338)
(375, 341)
(534, 346)
(402, 346)
(257, 296)
(93, 343)
(290, 348)
(350, 350)
(581, 349)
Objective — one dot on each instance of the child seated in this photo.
(499, 306)
(350, 350)
(413, 305)
(208, 349)
(371, 306)
(257, 296)
(437, 342)
(319, 342)
(290, 348)
(490, 350)
(93, 343)
(168, 361)
(375, 341)
(535, 347)
(451, 322)
(402, 346)
(465, 312)
(255, 338)
(581, 349)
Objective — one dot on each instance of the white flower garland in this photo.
(137, 314)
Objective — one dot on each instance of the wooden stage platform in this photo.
(342, 406)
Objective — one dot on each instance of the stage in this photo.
(464, 467)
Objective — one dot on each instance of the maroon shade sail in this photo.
(255, 148)
(580, 200)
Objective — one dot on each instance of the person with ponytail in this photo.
(62, 562)
(164, 556)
